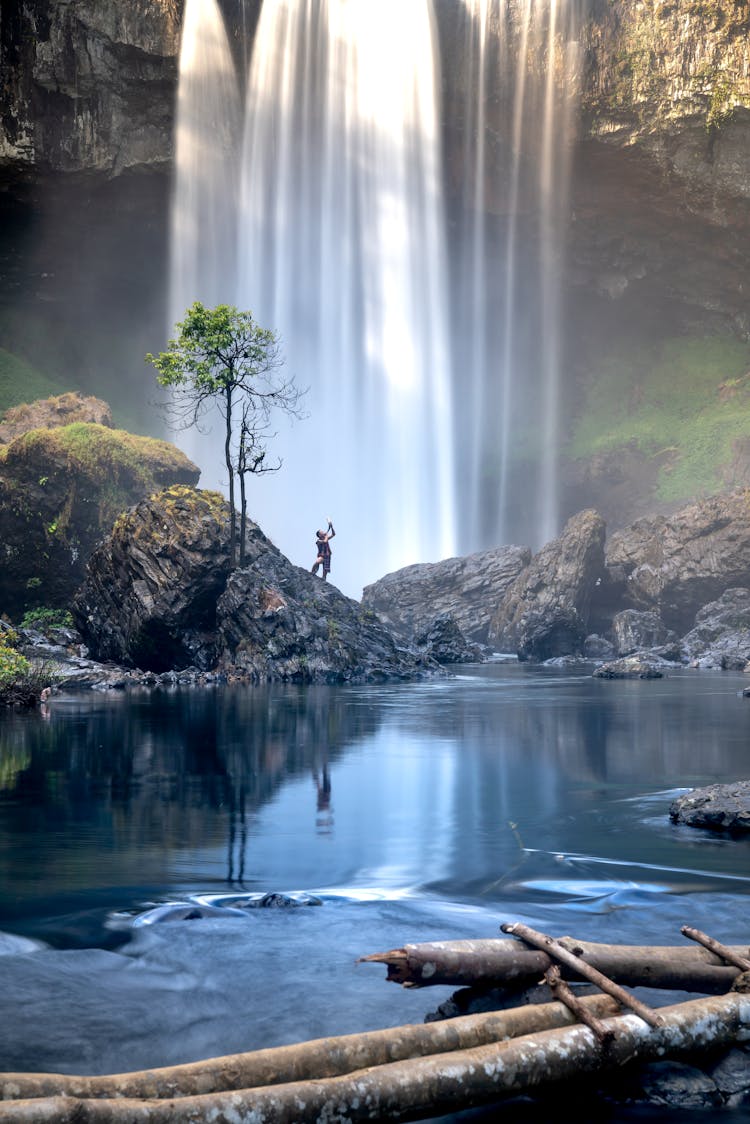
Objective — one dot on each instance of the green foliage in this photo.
(687, 400)
(21, 382)
(47, 618)
(13, 666)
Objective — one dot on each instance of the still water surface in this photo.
(415, 812)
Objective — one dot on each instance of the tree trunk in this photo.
(408, 1090)
(230, 475)
(322, 1057)
(243, 516)
(498, 962)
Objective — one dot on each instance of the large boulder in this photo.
(469, 589)
(160, 595)
(718, 807)
(721, 636)
(61, 490)
(277, 621)
(634, 631)
(545, 612)
(674, 565)
(151, 588)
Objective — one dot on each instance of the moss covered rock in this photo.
(50, 413)
(61, 490)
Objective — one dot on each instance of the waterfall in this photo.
(433, 368)
(342, 251)
(204, 222)
(521, 62)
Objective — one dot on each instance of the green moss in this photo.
(685, 399)
(21, 382)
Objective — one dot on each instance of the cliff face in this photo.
(87, 87)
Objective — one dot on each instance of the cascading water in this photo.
(204, 209)
(520, 65)
(322, 212)
(342, 250)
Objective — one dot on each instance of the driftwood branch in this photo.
(497, 962)
(576, 964)
(322, 1057)
(722, 950)
(426, 1086)
(581, 1011)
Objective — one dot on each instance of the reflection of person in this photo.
(323, 547)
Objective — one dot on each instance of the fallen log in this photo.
(497, 962)
(321, 1057)
(563, 993)
(721, 950)
(439, 1084)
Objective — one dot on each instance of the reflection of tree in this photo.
(133, 779)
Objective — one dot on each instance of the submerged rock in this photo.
(469, 589)
(545, 612)
(718, 807)
(630, 667)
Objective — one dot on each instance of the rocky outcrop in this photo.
(469, 589)
(545, 612)
(50, 413)
(630, 667)
(634, 631)
(676, 565)
(150, 593)
(444, 641)
(159, 595)
(88, 87)
(721, 636)
(61, 490)
(718, 807)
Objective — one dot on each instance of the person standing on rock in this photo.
(323, 547)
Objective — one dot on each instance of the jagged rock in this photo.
(149, 598)
(276, 621)
(598, 648)
(630, 667)
(444, 642)
(60, 492)
(676, 1084)
(469, 589)
(546, 610)
(718, 807)
(675, 565)
(731, 1073)
(50, 413)
(721, 637)
(635, 630)
(159, 596)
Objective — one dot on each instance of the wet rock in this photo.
(635, 630)
(721, 636)
(443, 641)
(630, 667)
(718, 807)
(545, 612)
(731, 1074)
(61, 490)
(469, 589)
(279, 901)
(677, 1085)
(675, 565)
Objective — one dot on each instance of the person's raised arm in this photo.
(331, 533)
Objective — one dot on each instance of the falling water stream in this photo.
(433, 361)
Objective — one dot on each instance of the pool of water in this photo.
(414, 812)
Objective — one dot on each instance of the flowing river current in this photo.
(413, 812)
